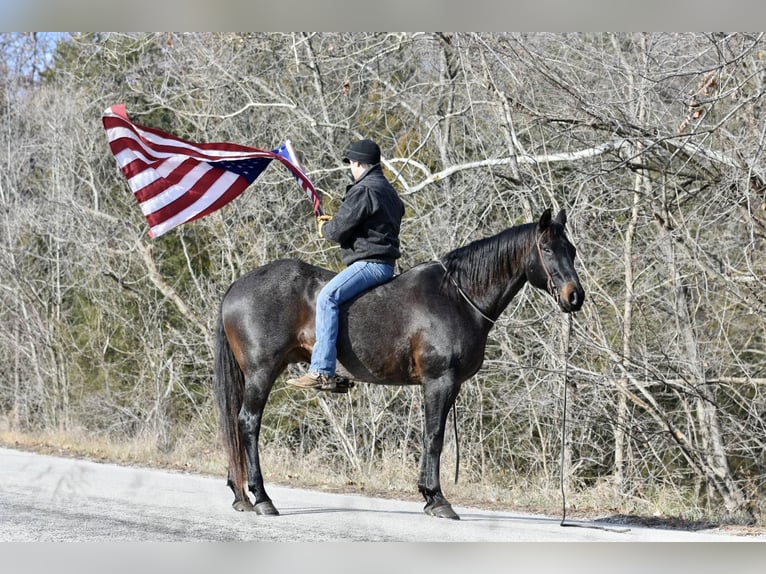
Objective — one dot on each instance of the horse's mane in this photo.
(486, 261)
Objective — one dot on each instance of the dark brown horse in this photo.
(427, 326)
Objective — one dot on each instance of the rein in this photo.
(462, 293)
(454, 409)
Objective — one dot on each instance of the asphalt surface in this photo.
(46, 498)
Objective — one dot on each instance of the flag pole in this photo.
(291, 151)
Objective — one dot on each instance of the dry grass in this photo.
(388, 477)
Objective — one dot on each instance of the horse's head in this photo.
(550, 265)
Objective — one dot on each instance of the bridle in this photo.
(551, 286)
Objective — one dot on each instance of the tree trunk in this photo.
(710, 453)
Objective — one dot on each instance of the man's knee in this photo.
(327, 298)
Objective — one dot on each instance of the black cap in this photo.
(363, 151)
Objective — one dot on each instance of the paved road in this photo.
(45, 498)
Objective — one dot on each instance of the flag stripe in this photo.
(177, 198)
(192, 203)
(161, 189)
(161, 142)
(196, 213)
(176, 181)
(151, 182)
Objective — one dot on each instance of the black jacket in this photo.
(368, 221)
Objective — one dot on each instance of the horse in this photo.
(427, 326)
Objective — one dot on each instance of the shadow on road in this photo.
(327, 510)
(615, 523)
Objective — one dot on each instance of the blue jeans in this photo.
(357, 277)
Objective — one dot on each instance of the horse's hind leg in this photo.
(439, 395)
(257, 388)
(241, 501)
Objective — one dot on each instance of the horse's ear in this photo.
(561, 218)
(545, 220)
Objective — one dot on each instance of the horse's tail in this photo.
(229, 392)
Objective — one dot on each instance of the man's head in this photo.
(365, 152)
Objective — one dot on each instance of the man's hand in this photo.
(321, 220)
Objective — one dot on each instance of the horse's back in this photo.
(269, 318)
(269, 312)
(274, 283)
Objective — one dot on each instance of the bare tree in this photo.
(652, 142)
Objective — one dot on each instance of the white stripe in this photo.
(124, 132)
(218, 189)
(150, 175)
(137, 133)
(128, 155)
(175, 191)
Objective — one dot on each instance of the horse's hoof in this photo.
(242, 505)
(441, 510)
(266, 508)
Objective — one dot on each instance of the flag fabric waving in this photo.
(176, 181)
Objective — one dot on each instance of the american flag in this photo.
(176, 181)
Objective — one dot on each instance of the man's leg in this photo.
(348, 283)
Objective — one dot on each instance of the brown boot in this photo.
(321, 382)
(310, 380)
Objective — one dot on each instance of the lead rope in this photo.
(454, 407)
(567, 339)
(457, 441)
(462, 293)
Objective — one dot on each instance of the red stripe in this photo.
(112, 122)
(136, 167)
(188, 198)
(238, 187)
(173, 178)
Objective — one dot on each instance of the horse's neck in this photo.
(501, 293)
(496, 293)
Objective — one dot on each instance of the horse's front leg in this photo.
(256, 394)
(439, 395)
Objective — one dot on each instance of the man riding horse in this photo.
(367, 228)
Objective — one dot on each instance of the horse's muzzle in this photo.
(571, 297)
